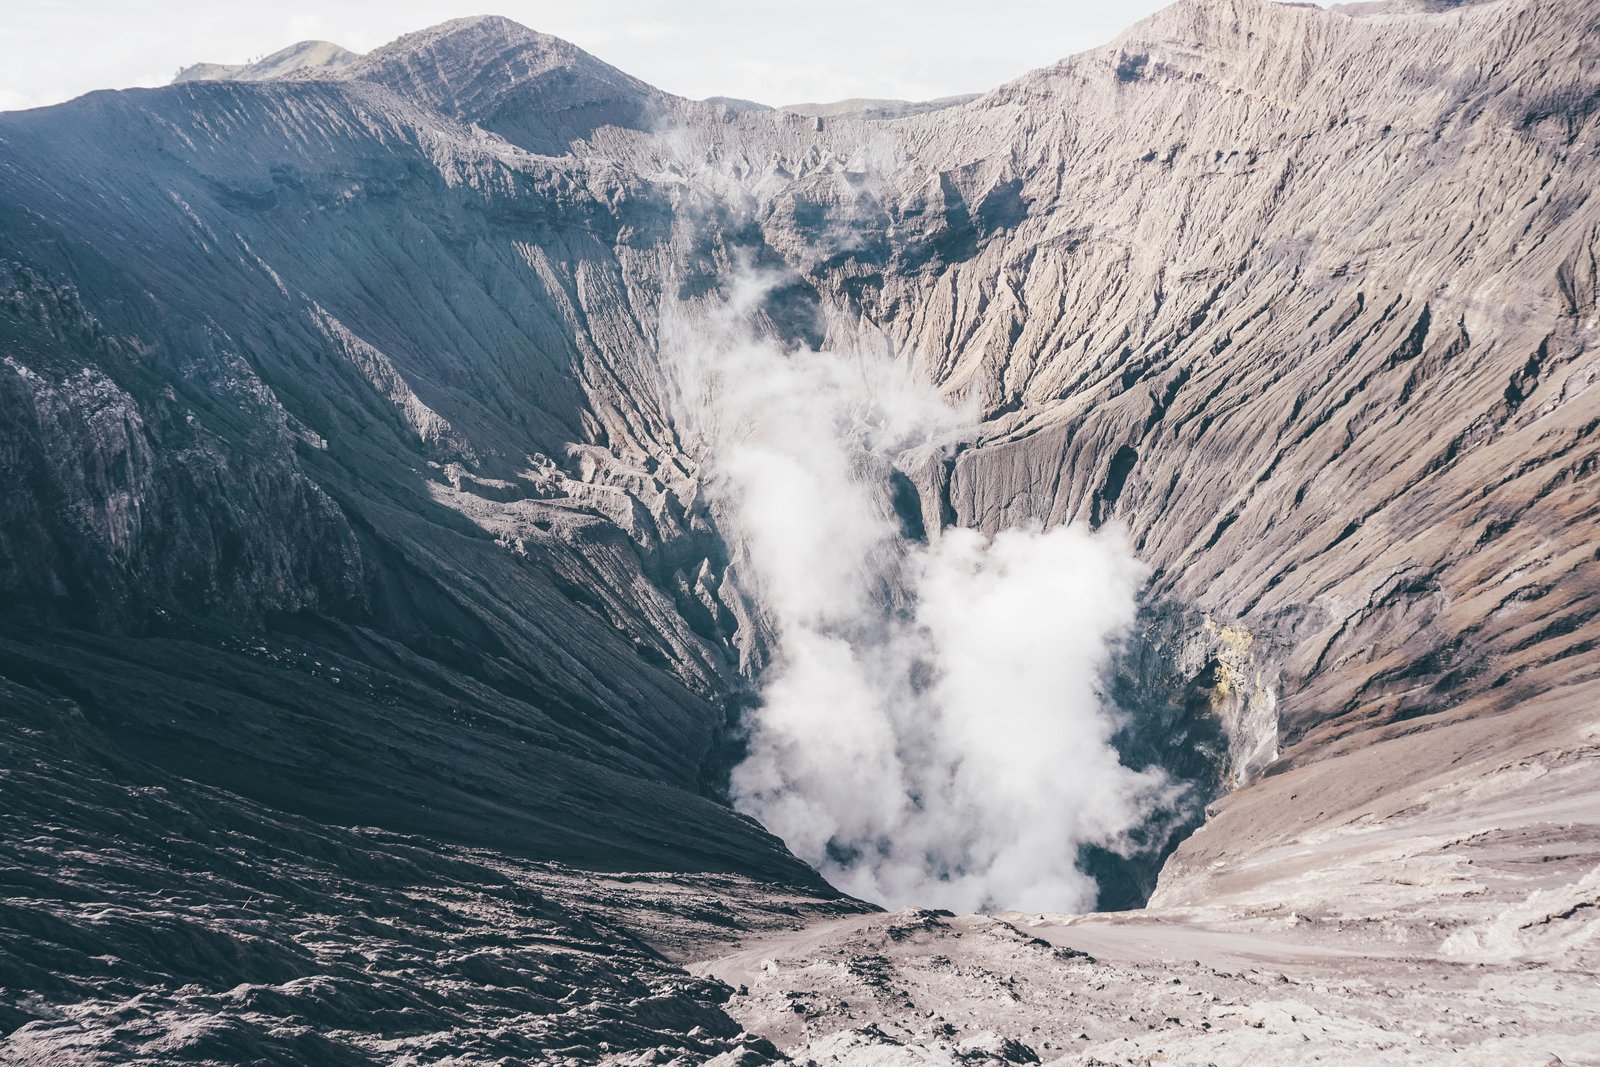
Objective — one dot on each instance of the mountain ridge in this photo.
(317, 56)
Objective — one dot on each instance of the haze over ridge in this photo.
(776, 54)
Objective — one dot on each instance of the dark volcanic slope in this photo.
(255, 397)
(182, 924)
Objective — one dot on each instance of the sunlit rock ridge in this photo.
(363, 598)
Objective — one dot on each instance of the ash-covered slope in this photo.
(285, 403)
(342, 483)
(1320, 336)
(1302, 297)
(1320, 333)
(311, 524)
(148, 918)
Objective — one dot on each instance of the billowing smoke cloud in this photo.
(931, 729)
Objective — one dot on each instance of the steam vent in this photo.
(501, 564)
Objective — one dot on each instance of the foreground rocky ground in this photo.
(148, 919)
(1460, 925)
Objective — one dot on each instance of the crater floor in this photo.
(1459, 924)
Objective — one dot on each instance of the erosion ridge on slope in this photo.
(348, 487)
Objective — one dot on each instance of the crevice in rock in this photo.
(1117, 471)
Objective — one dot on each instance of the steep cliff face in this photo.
(343, 477)
(1321, 336)
(1303, 299)
(1325, 351)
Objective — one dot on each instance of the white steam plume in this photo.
(931, 729)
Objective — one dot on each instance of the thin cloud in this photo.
(773, 52)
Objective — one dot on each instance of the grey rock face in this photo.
(1300, 382)
(342, 483)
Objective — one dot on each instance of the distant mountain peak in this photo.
(305, 57)
(489, 43)
(472, 33)
(535, 90)
(876, 109)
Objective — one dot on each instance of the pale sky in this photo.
(774, 52)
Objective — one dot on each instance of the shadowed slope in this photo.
(302, 382)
